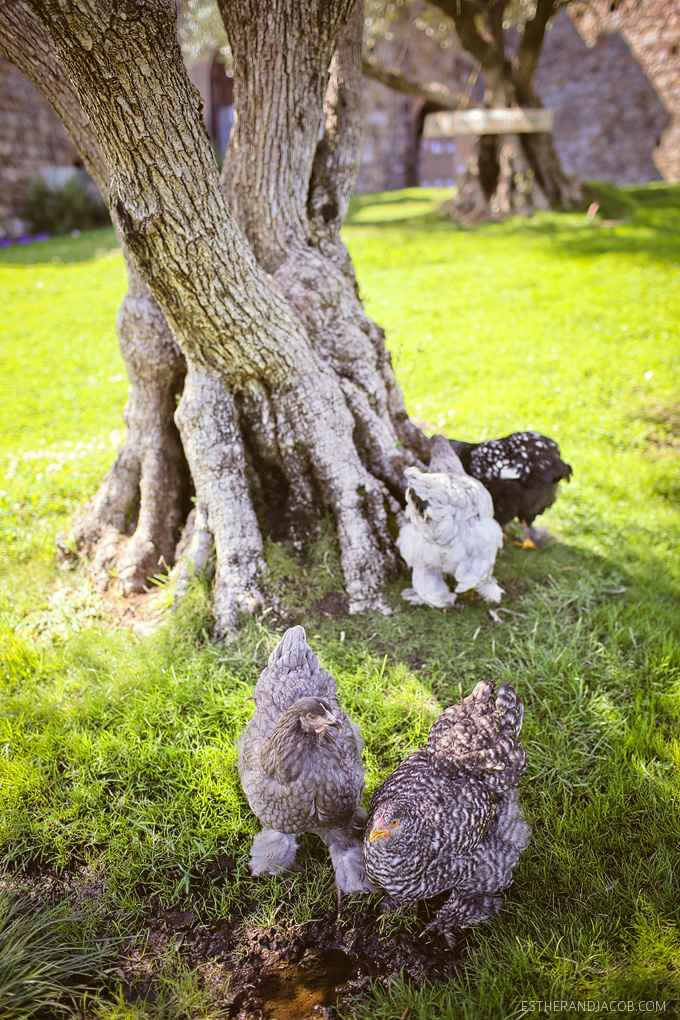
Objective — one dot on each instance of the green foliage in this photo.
(118, 753)
(45, 963)
(59, 210)
(179, 995)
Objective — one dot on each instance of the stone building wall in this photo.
(394, 121)
(31, 139)
(610, 69)
(609, 118)
(651, 29)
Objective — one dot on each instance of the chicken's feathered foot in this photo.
(539, 536)
(272, 852)
(429, 589)
(464, 910)
(533, 537)
(347, 859)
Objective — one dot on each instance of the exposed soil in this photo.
(289, 971)
(286, 971)
(334, 604)
(665, 435)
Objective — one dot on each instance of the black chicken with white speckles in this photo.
(449, 817)
(300, 765)
(521, 472)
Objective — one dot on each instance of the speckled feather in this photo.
(521, 472)
(479, 737)
(460, 825)
(297, 780)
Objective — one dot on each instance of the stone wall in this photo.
(394, 121)
(651, 29)
(609, 118)
(610, 69)
(31, 138)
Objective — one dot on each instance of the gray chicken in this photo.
(300, 766)
(449, 818)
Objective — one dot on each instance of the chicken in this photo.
(300, 766)
(522, 472)
(449, 817)
(450, 530)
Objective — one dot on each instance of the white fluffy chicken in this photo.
(450, 529)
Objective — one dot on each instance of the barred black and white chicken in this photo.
(300, 766)
(521, 472)
(449, 817)
(450, 529)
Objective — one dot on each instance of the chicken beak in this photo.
(376, 832)
(330, 720)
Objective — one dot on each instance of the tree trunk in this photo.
(510, 174)
(287, 380)
(129, 530)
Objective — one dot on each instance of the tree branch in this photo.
(338, 154)
(531, 43)
(462, 13)
(429, 92)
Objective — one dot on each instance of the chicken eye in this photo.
(393, 823)
(309, 716)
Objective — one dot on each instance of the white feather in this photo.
(450, 529)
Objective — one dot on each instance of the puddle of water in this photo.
(294, 991)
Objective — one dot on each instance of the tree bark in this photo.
(286, 377)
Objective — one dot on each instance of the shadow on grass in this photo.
(642, 220)
(590, 641)
(416, 207)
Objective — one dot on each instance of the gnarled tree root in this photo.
(129, 530)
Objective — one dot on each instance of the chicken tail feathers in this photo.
(445, 457)
(293, 672)
(479, 737)
(293, 652)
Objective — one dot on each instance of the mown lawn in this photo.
(117, 755)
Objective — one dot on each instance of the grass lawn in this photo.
(118, 780)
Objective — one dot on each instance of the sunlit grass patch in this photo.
(118, 752)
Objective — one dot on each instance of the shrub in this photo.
(59, 210)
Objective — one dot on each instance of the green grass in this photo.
(44, 964)
(117, 752)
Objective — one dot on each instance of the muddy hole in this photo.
(295, 991)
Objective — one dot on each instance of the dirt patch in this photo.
(289, 971)
(286, 971)
(141, 612)
(665, 435)
(333, 604)
(292, 990)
